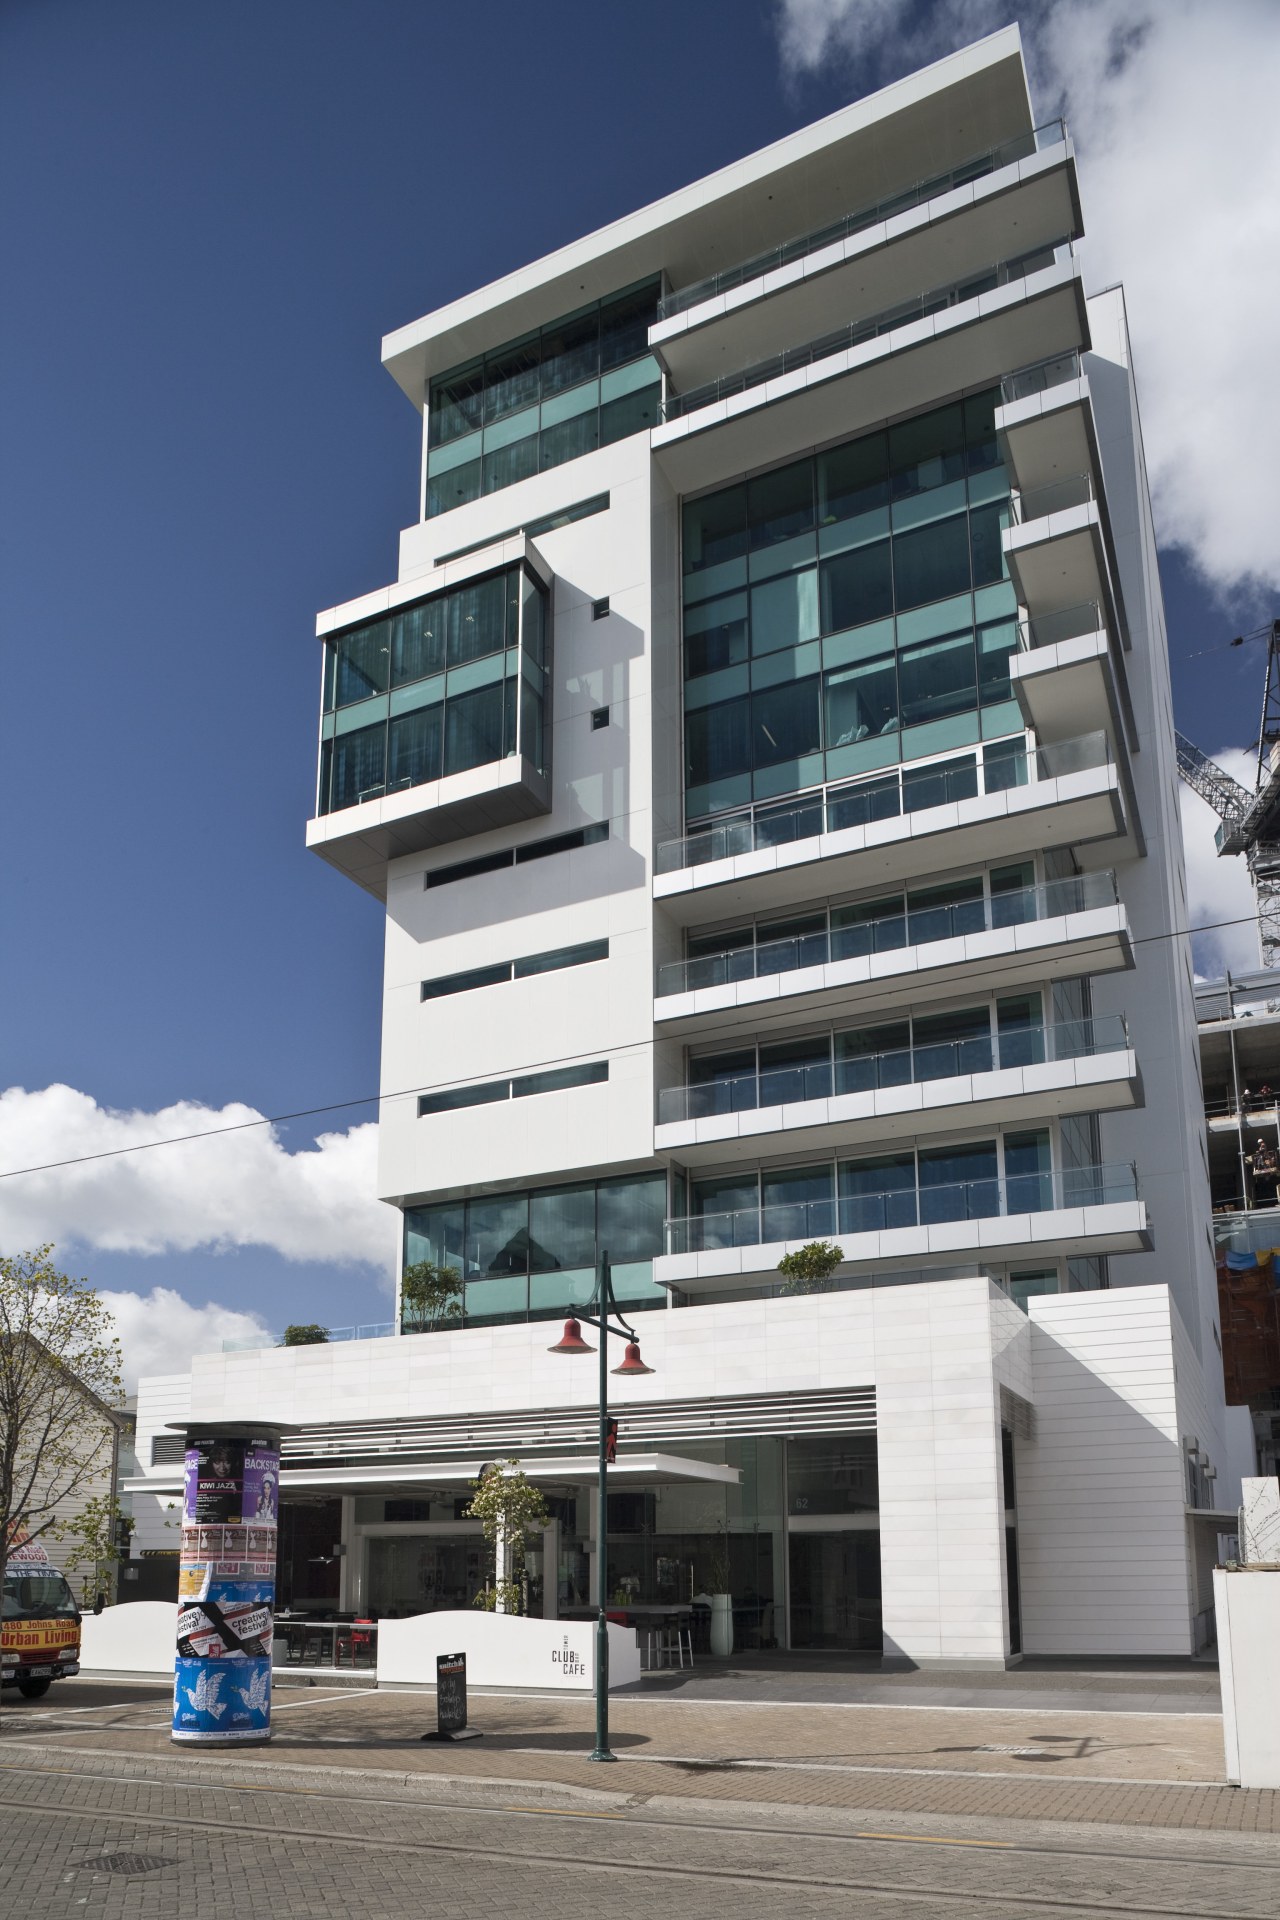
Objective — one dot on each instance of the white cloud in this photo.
(243, 1190)
(159, 1331)
(1171, 105)
(1219, 890)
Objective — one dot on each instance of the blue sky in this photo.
(211, 217)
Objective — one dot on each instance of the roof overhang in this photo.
(575, 1470)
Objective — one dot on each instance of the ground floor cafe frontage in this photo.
(787, 1526)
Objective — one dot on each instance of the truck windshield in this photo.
(37, 1593)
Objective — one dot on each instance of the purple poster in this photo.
(261, 1483)
(226, 1592)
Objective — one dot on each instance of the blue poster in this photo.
(229, 1699)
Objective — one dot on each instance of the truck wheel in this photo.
(34, 1689)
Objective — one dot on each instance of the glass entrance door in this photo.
(835, 1590)
(417, 1573)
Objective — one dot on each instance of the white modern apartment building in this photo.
(765, 754)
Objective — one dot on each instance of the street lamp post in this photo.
(606, 1308)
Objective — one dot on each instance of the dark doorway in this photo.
(835, 1591)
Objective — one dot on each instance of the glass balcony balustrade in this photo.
(1037, 503)
(1067, 623)
(1040, 378)
(900, 790)
(820, 1079)
(1000, 1196)
(912, 927)
(1007, 154)
(920, 306)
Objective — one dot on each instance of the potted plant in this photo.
(721, 1599)
(810, 1268)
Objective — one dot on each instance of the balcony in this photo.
(962, 335)
(1000, 802)
(1045, 424)
(872, 257)
(435, 722)
(1055, 931)
(1012, 1078)
(1032, 1216)
(1059, 552)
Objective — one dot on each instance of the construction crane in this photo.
(1250, 821)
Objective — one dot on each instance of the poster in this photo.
(226, 1592)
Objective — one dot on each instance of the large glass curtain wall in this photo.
(977, 1179)
(533, 1256)
(848, 611)
(533, 404)
(450, 683)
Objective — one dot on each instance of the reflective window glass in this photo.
(784, 612)
(504, 466)
(937, 679)
(435, 1234)
(497, 1235)
(364, 663)
(877, 1193)
(959, 1183)
(931, 563)
(985, 527)
(798, 1202)
(981, 448)
(473, 729)
(457, 405)
(853, 479)
(717, 742)
(511, 380)
(562, 1229)
(927, 451)
(996, 647)
(857, 587)
(786, 722)
(715, 635)
(477, 619)
(418, 642)
(715, 529)
(624, 327)
(569, 440)
(630, 1215)
(632, 413)
(780, 504)
(570, 353)
(416, 748)
(453, 489)
(860, 702)
(359, 765)
(871, 1057)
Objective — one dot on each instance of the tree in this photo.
(429, 1295)
(60, 1382)
(809, 1268)
(506, 1503)
(98, 1537)
(307, 1334)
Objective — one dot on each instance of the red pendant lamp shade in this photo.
(632, 1363)
(573, 1342)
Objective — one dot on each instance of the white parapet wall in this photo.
(1247, 1608)
(504, 1650)
(137, 1637)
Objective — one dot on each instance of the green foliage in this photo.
(809, 1268)
(93, 1538)
(506, 1504)
(59, 1380)
(307, 1334)
(429, 1296)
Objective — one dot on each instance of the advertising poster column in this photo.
(227, 1585)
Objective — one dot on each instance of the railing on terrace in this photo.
(913, 927)
(919, 307)
(1254, 1107)
(1037, 503)
(820, 1079)
(1021, 147)
(1247, 1229)
(378, 1330)
(1067, 623)
(999, 1197)
(882, 796)
(858, 1282)
(1040, 377)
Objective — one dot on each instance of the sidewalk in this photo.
(1098, 1765)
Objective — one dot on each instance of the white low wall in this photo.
(504, 1650)
(1247, 1610)
(137, 1637)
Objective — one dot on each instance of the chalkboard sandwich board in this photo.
(451, 1700)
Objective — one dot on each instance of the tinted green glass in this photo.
(931, 563)
(415, 748)
(562, 1228)
(857, 587)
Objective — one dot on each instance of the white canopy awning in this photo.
(576, 1470)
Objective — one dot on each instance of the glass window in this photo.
(786, 722)
(435, 1234)
(871, 1057)
(504, 466)
(717, 742)
(853, 480)
(981, 448)
(457, 404)
(570, 353)
(959, 1183)
(715, 635)
(559, 1079)
(715, 529)
(569, 440)
(416, 748)
(927, 452)
(728, 1194)
(579, 956)
(624, 327)
(944, 1044)
(870, 926)
(940, 913)
(798, 1202)
(485, 1093)
(939, 782)
(418, 642)
(857, 587)
(562, 1229)
(937, 679)
(473, 729)
(511, 379)
(1028, 1167)
(477, 618)
(832, 1473)
(780, 504)
(784, 612)
(877, 1193)
(996, 646)
(631, 413)
(862, 701)
(630, 1214)
(985, 527)
(359, 765)
(364, 663)
(497, 1235)
(931, 563)
(453, 489)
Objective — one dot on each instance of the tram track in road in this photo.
(850, 1879)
